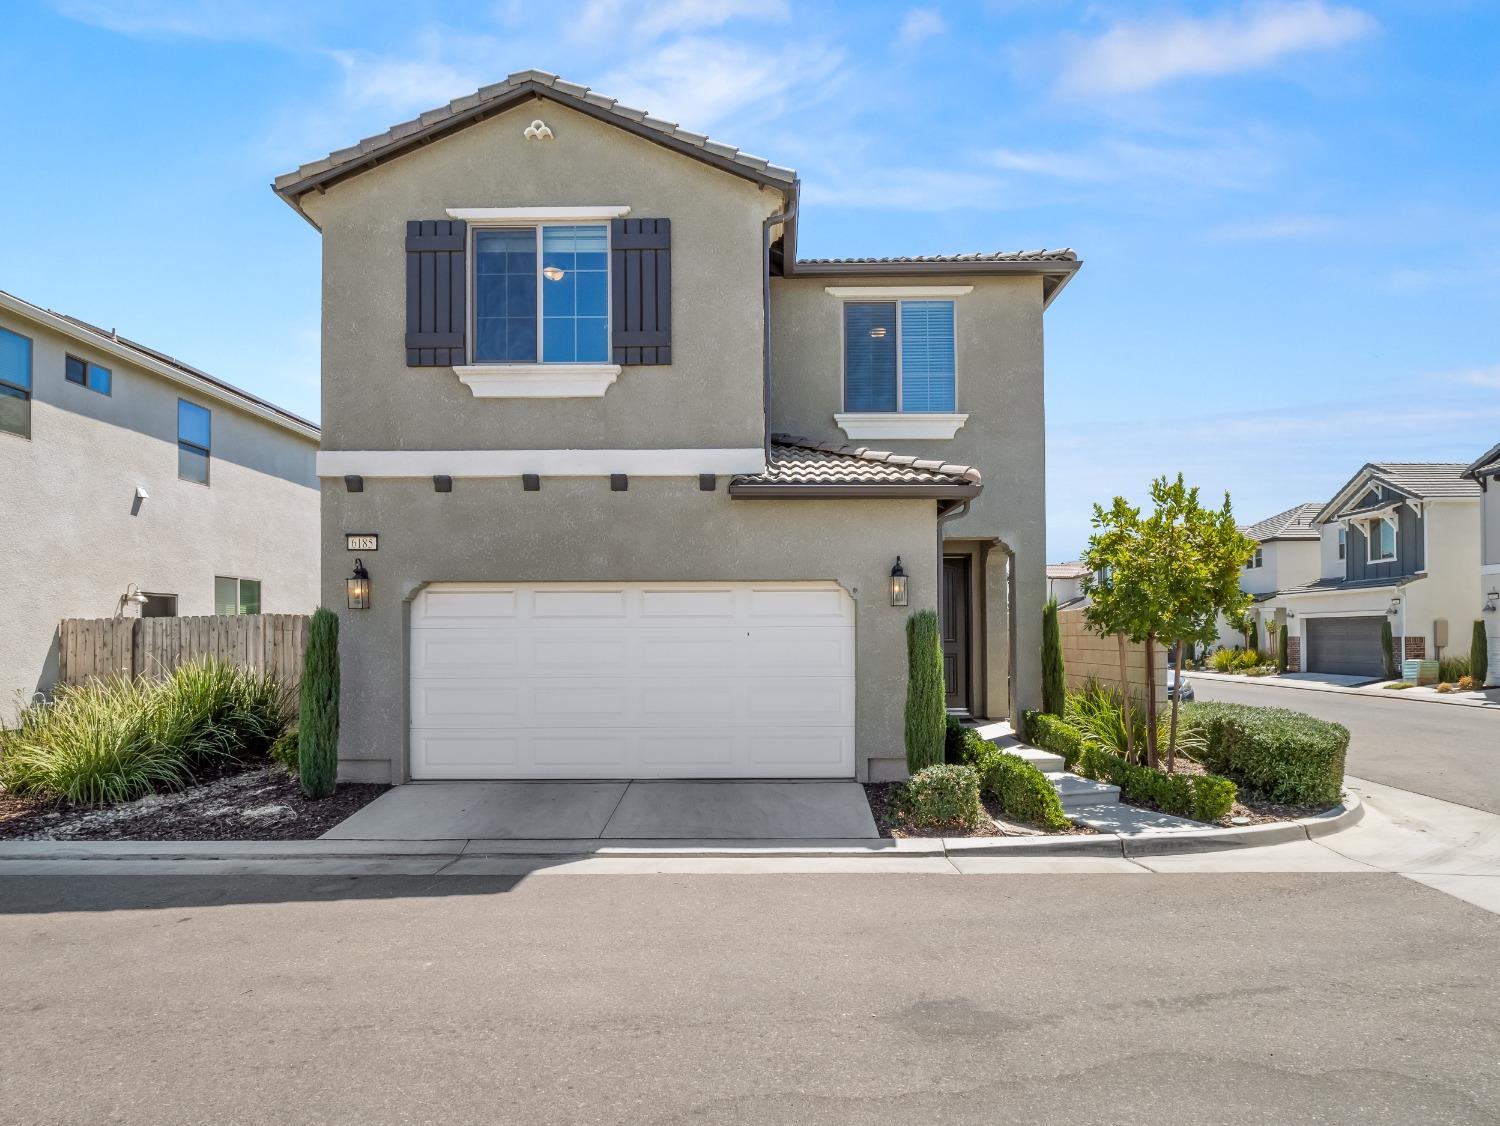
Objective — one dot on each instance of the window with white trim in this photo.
(541, 294)
(1256, 560)
(899, 356)
(236, 596)
(194, 441)
(1343, 542)
(15, 383)
(93, 376)
(1382, 540)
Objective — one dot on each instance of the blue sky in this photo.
(1289, 211)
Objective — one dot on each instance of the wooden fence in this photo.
(89, 648)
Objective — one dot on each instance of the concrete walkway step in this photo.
(1045, 761)
(1078, 793)
(1130, 821)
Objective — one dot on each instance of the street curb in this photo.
(141, 856)
(1369, 690)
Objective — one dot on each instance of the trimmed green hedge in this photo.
(1052, 734)
(942, 795)
(1202, 797)
(1021, 789)
(1280, 755)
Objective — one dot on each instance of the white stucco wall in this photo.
(71, 545)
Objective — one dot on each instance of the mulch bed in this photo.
(888, 819)
(263, 803)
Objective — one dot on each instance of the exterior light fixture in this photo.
(552, 273)
(359, 587)
(1490, 600)
(131, 597)
(898, 584)
(1395, 606)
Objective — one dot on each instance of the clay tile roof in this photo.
(1293, 524)
(1067, 570)
(801, 463)
(501, 95)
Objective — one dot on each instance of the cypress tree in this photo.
(1281, 656)
(926, 712)
(1388, 647)
(1479, 656)
(1054, 682)
(318, 719)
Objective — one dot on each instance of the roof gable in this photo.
(1411, 480)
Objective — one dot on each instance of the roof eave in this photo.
(529, 90)
(907, 492)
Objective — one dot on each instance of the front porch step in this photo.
(1079, 793)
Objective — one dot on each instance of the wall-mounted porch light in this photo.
(359, 587)
(1395, 607)
(898, 584)
(131, 597)
(1490, 601)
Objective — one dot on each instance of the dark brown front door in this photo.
(955, 622)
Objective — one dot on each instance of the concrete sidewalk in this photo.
(1358, 686)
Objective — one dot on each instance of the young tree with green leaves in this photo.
(1054, 680)
(1113, 588)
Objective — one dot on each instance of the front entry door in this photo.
(955, 626)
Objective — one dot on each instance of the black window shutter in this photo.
(641, 290)
(436, 281)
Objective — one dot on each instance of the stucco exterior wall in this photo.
(576, 529)
(999, 380)
(708, 397)
(70, 544)
(1490, 519)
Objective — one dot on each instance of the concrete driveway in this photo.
(427, 811)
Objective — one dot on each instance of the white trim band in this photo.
(538, 381)
(897, 424)
(547, 463)
(893, 291)
(538, 214)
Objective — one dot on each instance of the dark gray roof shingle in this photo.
(1065, 254)
(1293, 524)
(800, 462)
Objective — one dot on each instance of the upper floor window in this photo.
(15, 383)
(1343, 542)
(1256, 560)
(1382, 539)
(194, 425)
(541, 294)
(85, 374)
(236, 596)
(899, 356)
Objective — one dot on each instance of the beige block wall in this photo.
(1088, 656)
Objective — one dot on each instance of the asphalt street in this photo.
(1197, 999)
(1445, 751)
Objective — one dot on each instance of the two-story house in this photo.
(1399, 543)
(638, 492)
(137, 485)
(1286, 556)
(1065, 583)
(1483, 472)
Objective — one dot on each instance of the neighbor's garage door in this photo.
(632, 680)
(1345, 645)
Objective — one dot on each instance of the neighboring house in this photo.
(1399, 543)
(640, 476)
(1286, 556)
(134, 484)
(1484, 473)
(1065, 583)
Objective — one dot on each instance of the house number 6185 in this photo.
(362, 542)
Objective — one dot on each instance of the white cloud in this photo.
(611, 20)
(196, 19)
(920, 24)
(1207, 161)
(427, 77)
(1132, 57)
(700, 82)
(917, 188)
(1485, 377)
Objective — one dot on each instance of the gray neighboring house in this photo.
(639, 492)
(127, 474)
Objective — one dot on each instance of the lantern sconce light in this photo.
(359, 587)
(1395, 607)
(898, 584)
(1490, 600)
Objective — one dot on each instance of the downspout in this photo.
(943, 517)
(765, 280)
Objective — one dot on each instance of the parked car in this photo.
(1187, 685)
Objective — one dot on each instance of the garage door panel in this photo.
(1346, 645)
(646, 680)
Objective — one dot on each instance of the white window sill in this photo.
(900, 425)
(538, 381)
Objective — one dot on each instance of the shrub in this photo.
(1056, 735)
(926, 712)
(1479, 656)
(1452, 668)
(1261, 670)
(1021, 789)
(1054, 683)
(117, 740)
(1388, 647)
(1281, 755)
(953, 740)
(286, 750)
(1223, 660)
(1465, 683)
(942, 794)
(1097, 712)
(318, 721)
(1399, 685)
(1443, 686)
(1281, 654)
(1245, 659)
(1203, 797)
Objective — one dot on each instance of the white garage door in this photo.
(632, 680)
